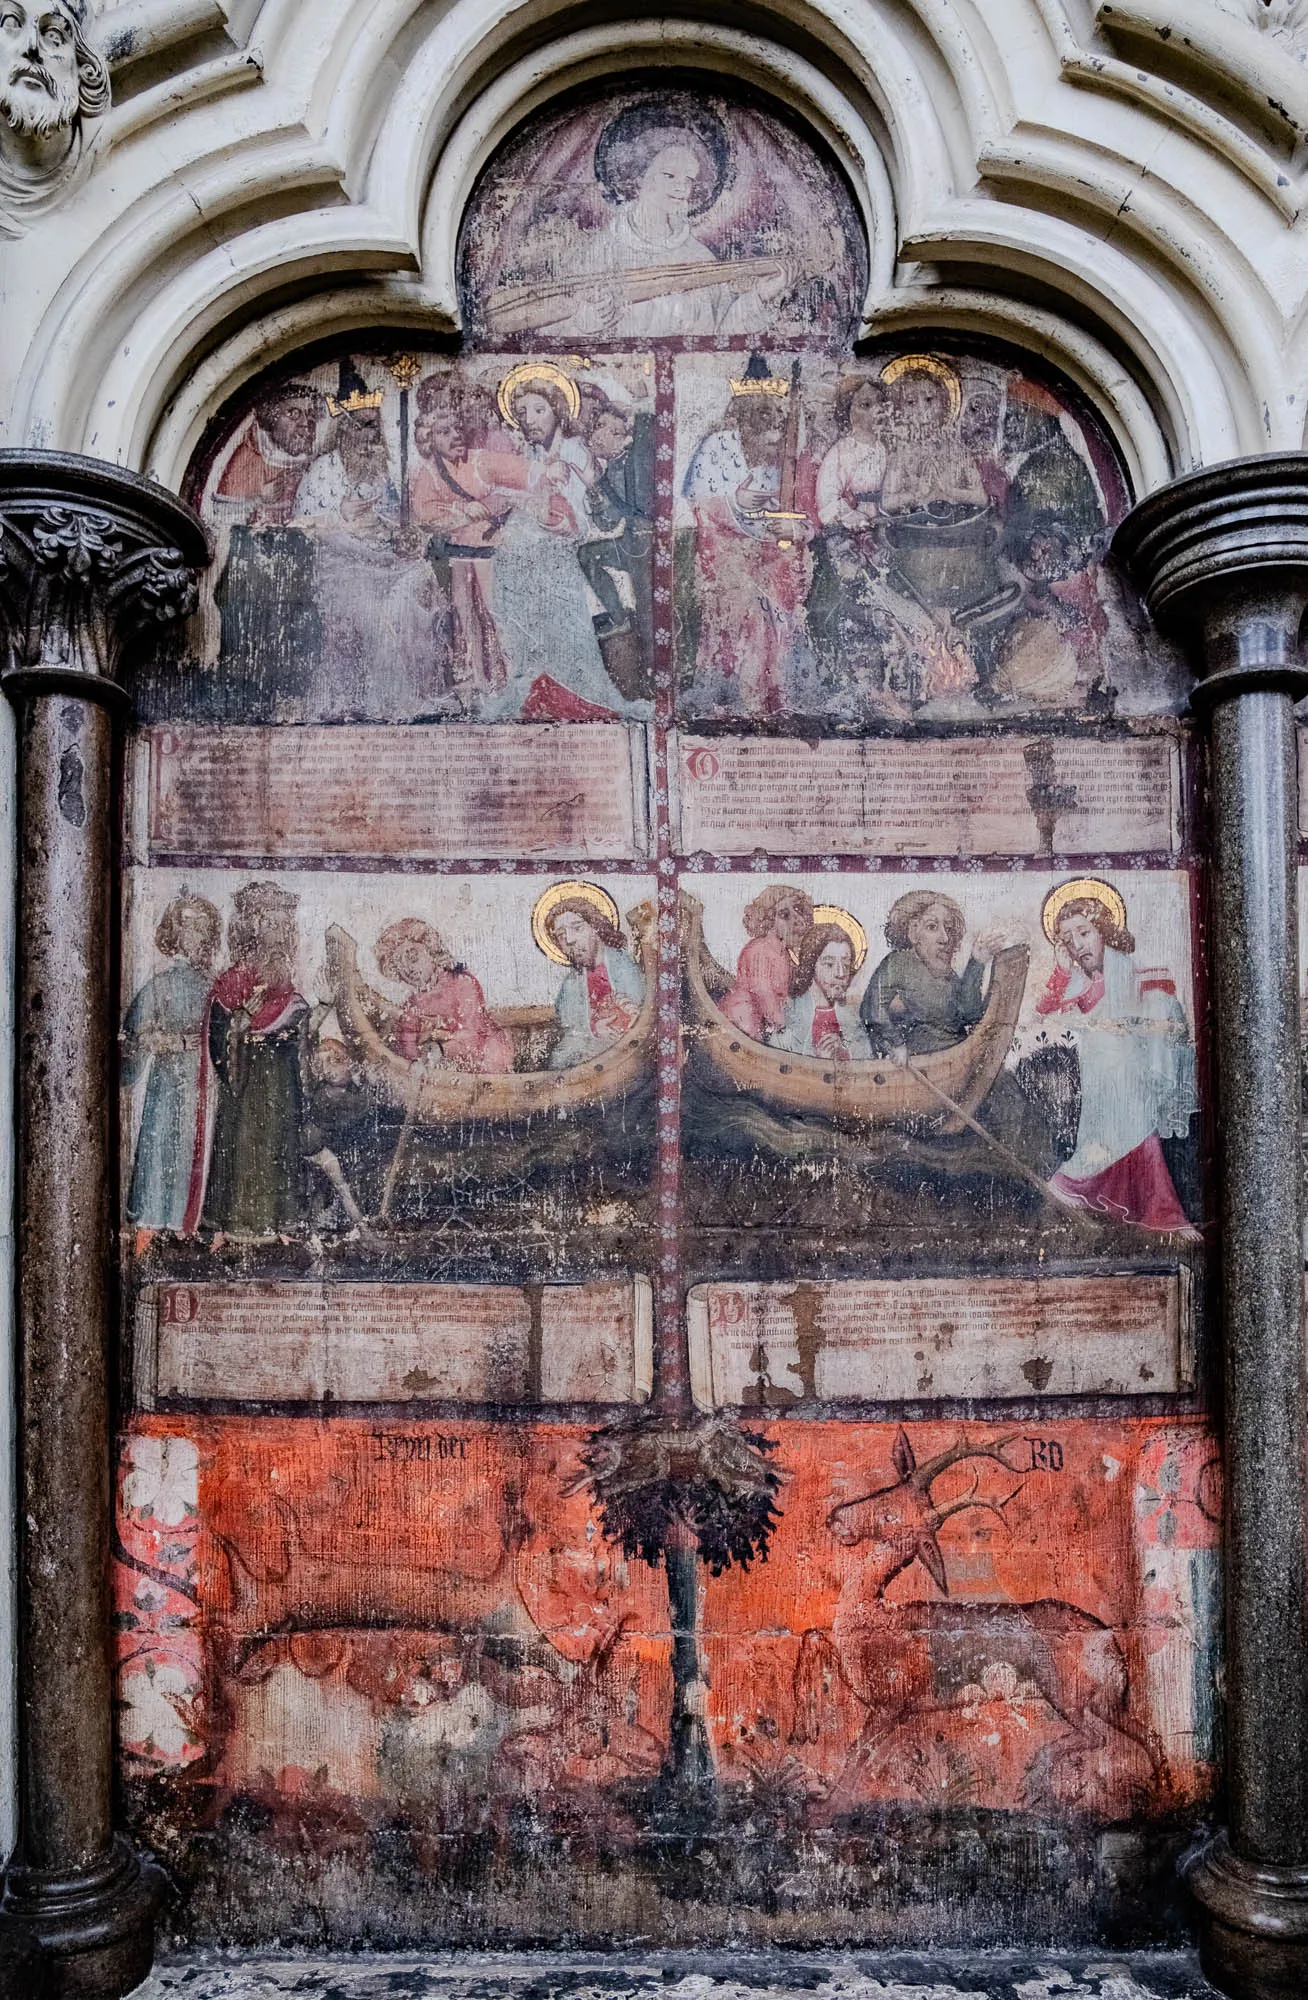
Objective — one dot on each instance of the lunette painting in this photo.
(664, 1062)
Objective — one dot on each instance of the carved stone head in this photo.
(52, 82)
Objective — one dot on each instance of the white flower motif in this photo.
(150, 1711)
(163, 1479)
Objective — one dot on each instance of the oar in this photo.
(1019, 1166)
(399, 1156)
(327, 1163)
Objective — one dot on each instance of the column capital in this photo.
(91, 558)
(1220, 557)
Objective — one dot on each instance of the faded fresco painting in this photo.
(414, 538)
(662, 212)
(328, 1057)
(920, 538)
(458, 1676)
(978, 1616)
(664, 1067)
(868, 1057)
(384, 1690)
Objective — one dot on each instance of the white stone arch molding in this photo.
(335, 203)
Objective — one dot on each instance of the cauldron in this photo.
(946, 553)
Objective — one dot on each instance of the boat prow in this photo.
(451, 1096)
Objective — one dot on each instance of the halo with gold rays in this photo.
(927, 364)
(565, 892)
(1070, 892)
(535, 371)
(831, 913)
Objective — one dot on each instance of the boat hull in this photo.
(452, 1097)
(881, 1092)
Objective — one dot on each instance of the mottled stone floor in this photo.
(682, 1976)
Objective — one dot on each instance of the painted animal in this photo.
(901, 1658)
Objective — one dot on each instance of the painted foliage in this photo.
(663, 1061)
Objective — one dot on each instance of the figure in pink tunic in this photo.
(445, 1017)
(776, 920)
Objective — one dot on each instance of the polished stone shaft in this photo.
(64, 1176)
(93, 563)
(1222, 558)
(1254, 953)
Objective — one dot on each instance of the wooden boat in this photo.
(881, 1092)
(452, 1096)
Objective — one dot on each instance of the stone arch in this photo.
(340, 206)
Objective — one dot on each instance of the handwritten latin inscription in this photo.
(450, 791)
(769, 1345)
(968, 795)
(366, 1343)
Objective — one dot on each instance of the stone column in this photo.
(93, 563)
(1222, 558)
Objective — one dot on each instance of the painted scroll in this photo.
(949, 798)
(570, 790)
(400, 1345)
(768, 1347)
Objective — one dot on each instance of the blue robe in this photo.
(172, 1004)
(578, 1043)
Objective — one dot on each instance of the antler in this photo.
(923, 1475)
(970, 1500)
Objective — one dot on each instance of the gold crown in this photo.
(358, 399)
(760, 385)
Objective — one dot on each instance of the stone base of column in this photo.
(1253, 1936)
(91, 1931)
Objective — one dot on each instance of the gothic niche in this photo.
(590, 1217)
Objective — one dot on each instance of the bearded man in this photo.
(51, 80)
(603, 990)
(1135, 1055)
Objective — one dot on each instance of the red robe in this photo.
(248, 475)
(453, 1013)
(757, 1001)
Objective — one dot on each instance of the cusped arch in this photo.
(196, 287)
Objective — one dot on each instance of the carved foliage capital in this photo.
(91, 560)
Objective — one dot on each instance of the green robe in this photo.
(938, 1014)
(257, 1182)
(932, 1013)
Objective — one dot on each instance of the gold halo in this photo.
(535, 371)
(562, 892)
(831, 913)
(927, 364)
(1069, 892)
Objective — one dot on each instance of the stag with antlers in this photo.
(900, 1659)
